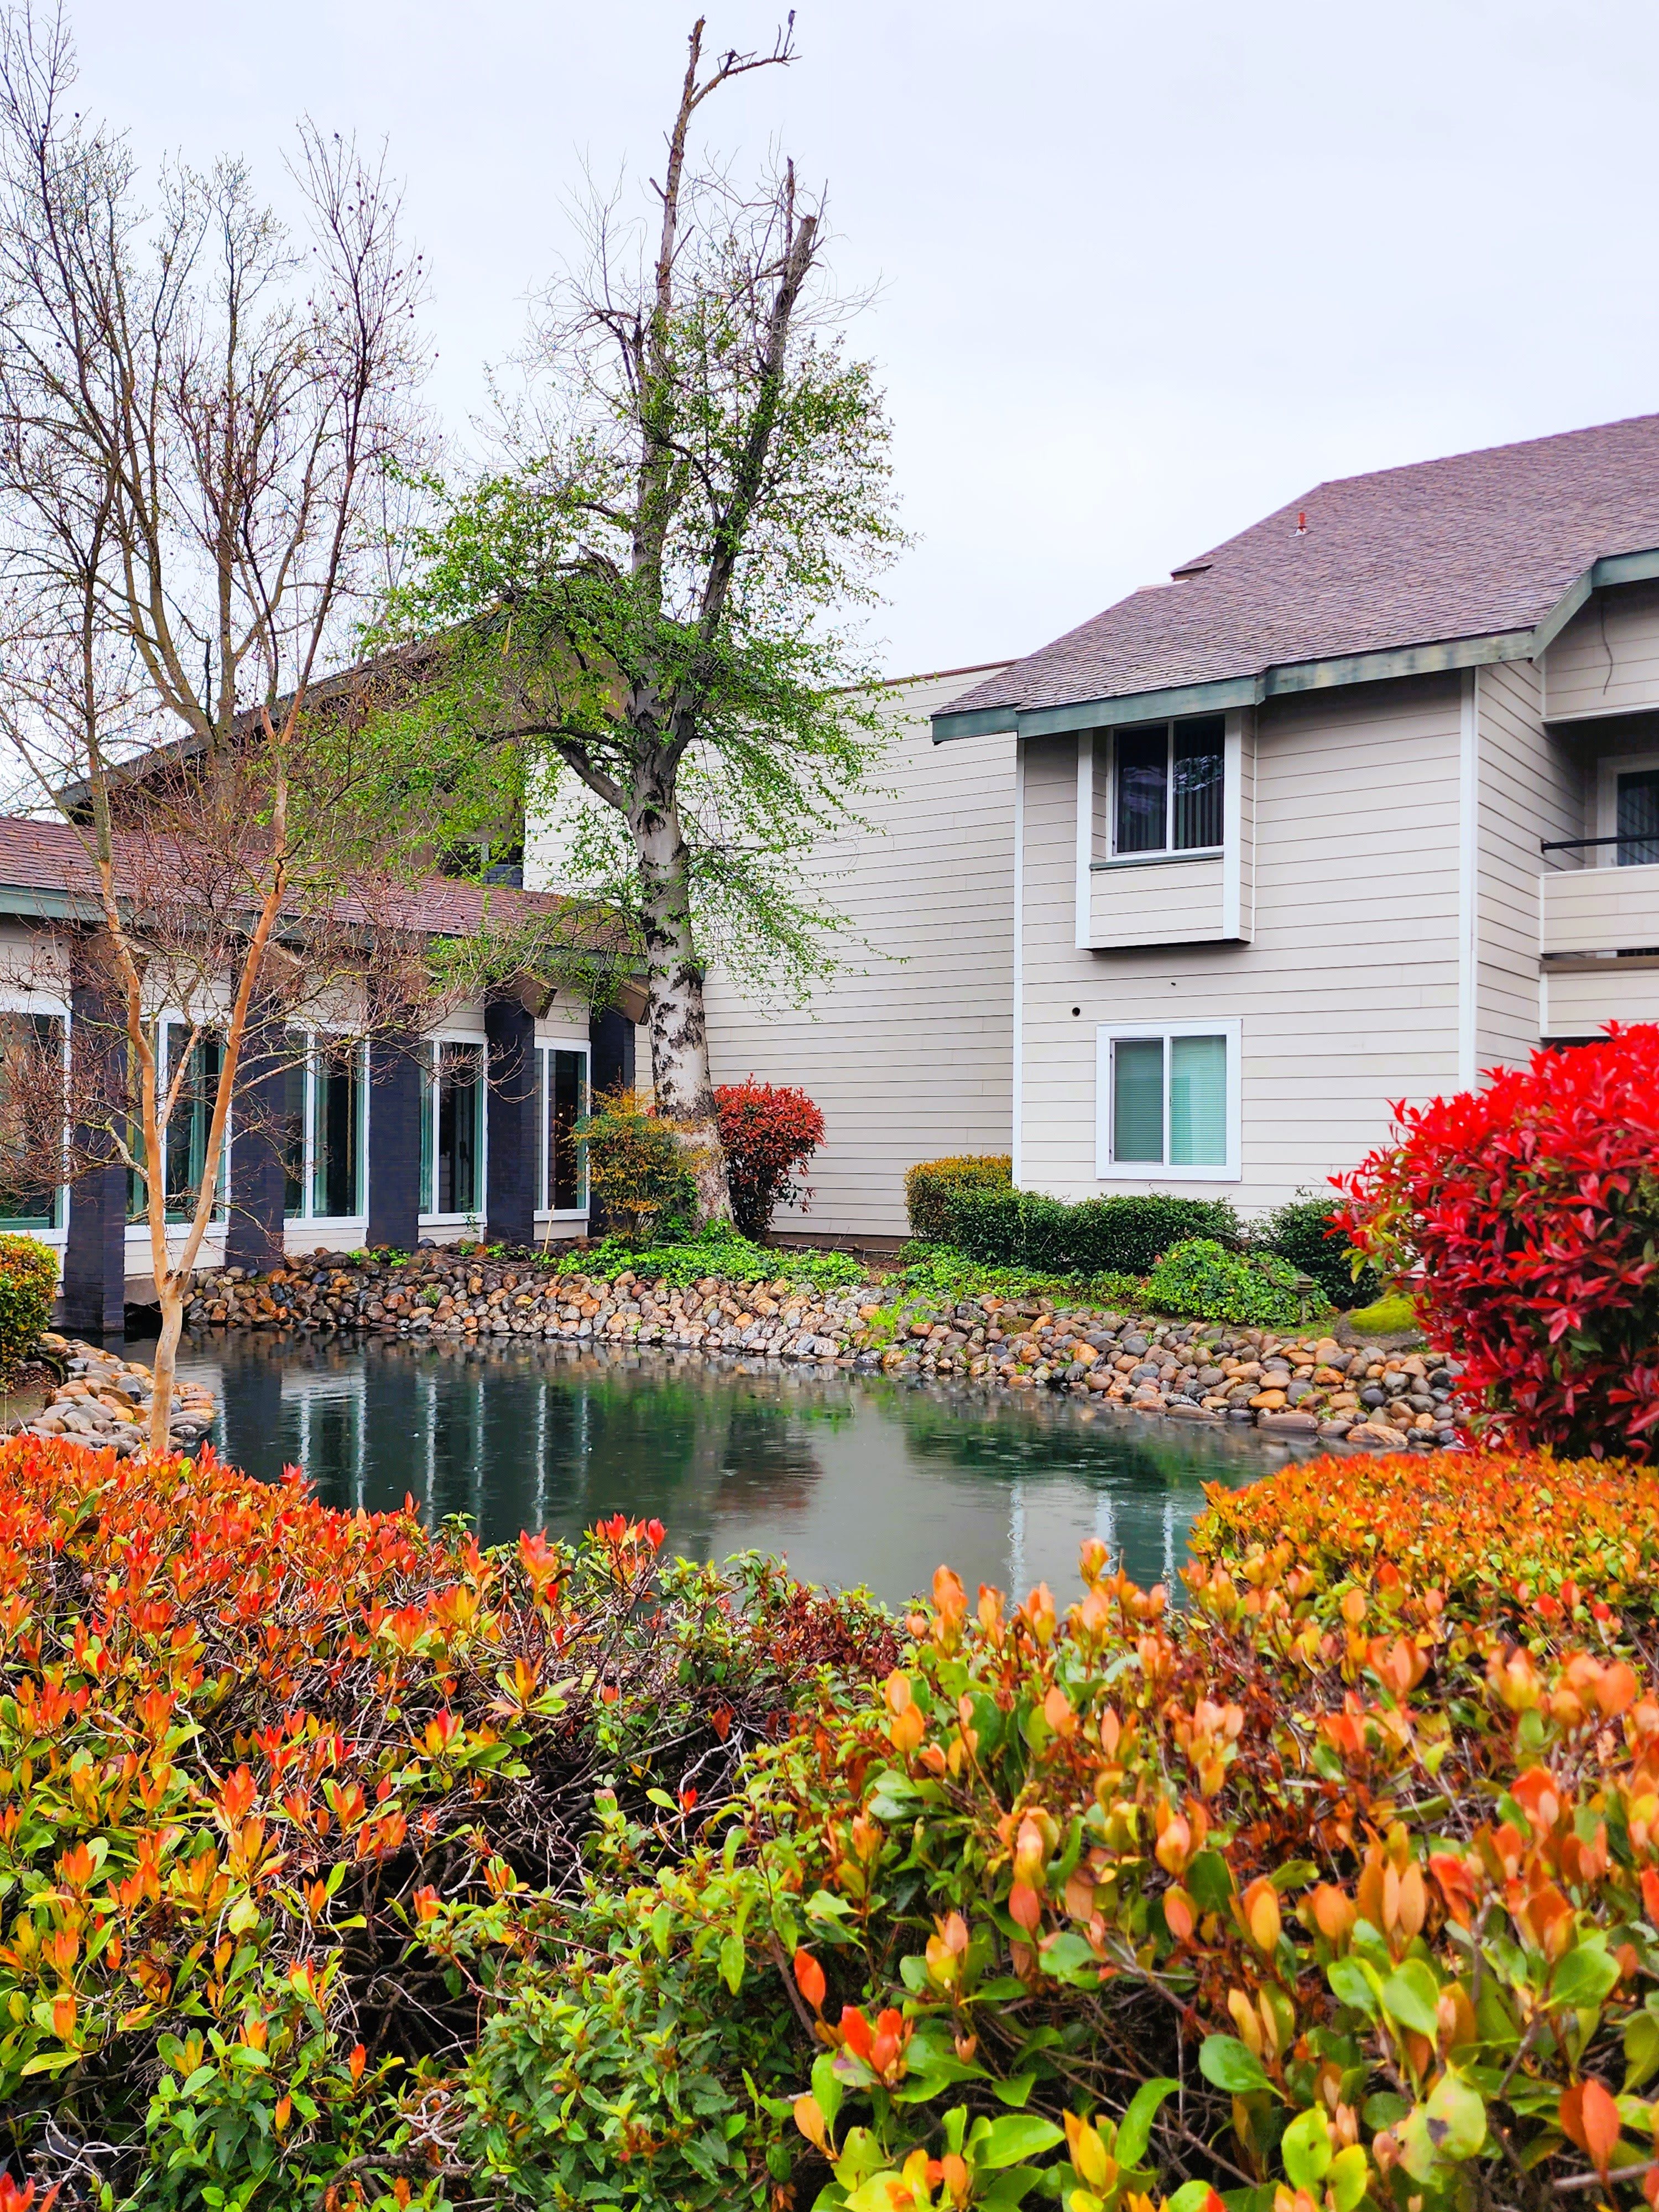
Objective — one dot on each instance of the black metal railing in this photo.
(1646, 840)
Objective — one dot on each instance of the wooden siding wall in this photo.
(1606, 660)
(1348, 995)
(908, 1050)
(1530, 787)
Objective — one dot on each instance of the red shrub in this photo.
(1530, 1213)
(769, 1131)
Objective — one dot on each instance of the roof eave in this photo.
(1290, 677)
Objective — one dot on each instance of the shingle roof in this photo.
(1467, 547)
(48, 857)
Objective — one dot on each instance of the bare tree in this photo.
(199, 420)
(644, 605)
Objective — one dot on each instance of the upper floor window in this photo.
(1167, 785)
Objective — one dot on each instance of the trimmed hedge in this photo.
(930, 1184)
(29, 1284)
(1296, 1231)
(1095, 1237)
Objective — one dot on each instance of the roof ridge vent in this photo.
(1191, 569)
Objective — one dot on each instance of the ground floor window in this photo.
(1167, 1102)
(32, 1105)
(185, 1142)
(453, 1128)
(560, 1103)
(322, 1129)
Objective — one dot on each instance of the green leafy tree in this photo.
(646, 611)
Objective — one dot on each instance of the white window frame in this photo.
(15, 1001)
(433, 1039)
(1608, 770)
(543, 1045)
(1169, 850)
(306, 1217)
(1107, 1169)
(162, 1020)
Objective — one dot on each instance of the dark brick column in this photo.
(394, 1142)
(510, 1112)
(95, 1249)
(253, 1234)
(610, 1041)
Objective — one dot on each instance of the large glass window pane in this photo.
(291, 1129)
(1638, 818)
(191, 1118)
(1199, 757)
(1142, 790)
(1198, 1101)
(567, 1101)
(336, 1147)
(460, 1137)
(1138, 1099)
(32, 1108)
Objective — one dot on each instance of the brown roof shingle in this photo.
(1466, 547)
(43, 856)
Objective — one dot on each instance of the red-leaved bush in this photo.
(771, 1131)
(1528, 1215)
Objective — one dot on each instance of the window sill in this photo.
(1134, 1172)
(1156, 860)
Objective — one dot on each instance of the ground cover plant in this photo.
(1257, 1288)
(1526, 1214)
(250, 1748)
(716, 1251)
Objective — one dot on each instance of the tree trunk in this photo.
(679, 1032)
(171, 1295)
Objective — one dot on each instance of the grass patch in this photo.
(1390, 1316)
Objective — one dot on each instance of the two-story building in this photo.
(1358, 803)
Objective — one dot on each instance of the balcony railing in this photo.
(1600, 910)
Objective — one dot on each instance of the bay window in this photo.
(1168, 780)
(1167, 1100)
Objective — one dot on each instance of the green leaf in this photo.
(1231, 2065)
(1447, 2130)
(1411, 1996)
(1191, 2197)
(1070, 1958)
(1007, 2141)
(1009, 2188)
(1348, 2177)
(1135, 2128)
(1209, 1880)
(826, 2088)
(731, 1961)
(1306, 2147)
(1352, 1986)
(1016, 2090)
(1641, 2049)
(1585, 1976)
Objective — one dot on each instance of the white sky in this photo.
(1149, 270)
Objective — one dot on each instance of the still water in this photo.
(855, 1479)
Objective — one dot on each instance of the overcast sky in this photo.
(1148, 271)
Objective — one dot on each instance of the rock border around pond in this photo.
(1309, 1386)
(105, 1401)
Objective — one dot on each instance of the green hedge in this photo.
(930, 1184)
(29, 1284)
(1095, 1237)
(1296, 1232)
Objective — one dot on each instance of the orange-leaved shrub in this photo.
(250, 1747)
(1339, 1890)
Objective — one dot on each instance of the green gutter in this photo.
(1293, 676)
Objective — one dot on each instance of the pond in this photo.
(853, 1478)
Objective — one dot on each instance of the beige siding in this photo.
(1580, 1002)
(1348, 996)
(1606, 660)
(1530, 788)
(907, 1051)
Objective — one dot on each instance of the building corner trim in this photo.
(1468, 857)
(1016, 1145)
